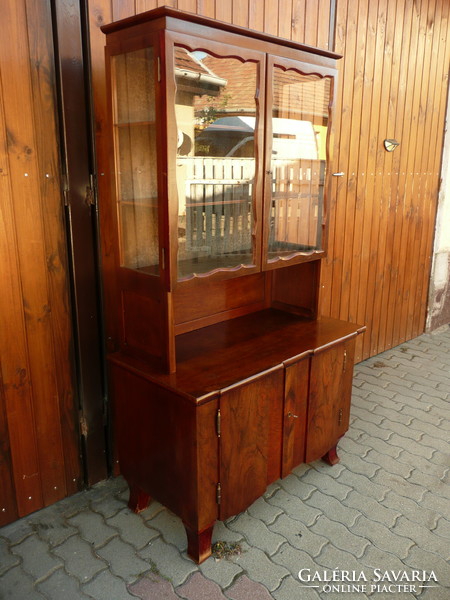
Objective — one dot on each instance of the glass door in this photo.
(136, 150)
(218, 140)
(297, 130)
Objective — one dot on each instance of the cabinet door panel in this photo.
(250, 447)
(329, 400)
(294, 419)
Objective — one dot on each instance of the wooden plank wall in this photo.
(39, 456)
(393, 84)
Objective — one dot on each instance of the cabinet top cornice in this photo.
(169, 12)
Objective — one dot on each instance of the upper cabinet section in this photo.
(221, 140)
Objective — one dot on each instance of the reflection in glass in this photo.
(299, 134)
(135, 140)
(215, 112)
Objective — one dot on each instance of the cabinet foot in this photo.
(331, 457)
(139, 500)
(199, 543)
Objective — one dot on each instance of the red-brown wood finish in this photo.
(250, 440)
(217, 388)
(329, 398)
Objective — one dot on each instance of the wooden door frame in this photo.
(73, 88)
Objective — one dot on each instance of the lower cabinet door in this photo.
(329, 398)
(294, 417)
(251, 420)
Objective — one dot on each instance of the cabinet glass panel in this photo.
(215, 110)
(298, 160)
(136, 169)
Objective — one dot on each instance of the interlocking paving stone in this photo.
(245, 589)
(223, 571)
(421, 559)
(298, 535)
(15, 584)
(7, 560)
(36, 559)
(93, 528)
(382, 537)
(171, 528)
(79, 558)
(168, 561)
(291, 589)
(294, 559)
(334, 509)
(358, 465)
(256, 533)
(108, 507)
(132, 528)
(264, 511)
(442, 528)
(387, 463)
(261, 568)
(16, 532)
(340, 536)
(198, 587)
(106, 586)
(423, 537)
(295, 508)
(439, 485)
(363, 427)
(153, 588)
(61, 586)
(371, 508)
(397, 483)
(364, 485)
(297, 485)
(413, 510)
(327, 484)
(123, 560)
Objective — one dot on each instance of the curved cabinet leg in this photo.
(331, 457)
(199, 543)
(139, 500)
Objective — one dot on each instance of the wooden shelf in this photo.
(222, 355)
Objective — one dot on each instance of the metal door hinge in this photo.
(344, 366)
(218, 493)
(218, 423)
(91, 191)
(159, 69)
(65, 189)
(83, 426)
(340, 416)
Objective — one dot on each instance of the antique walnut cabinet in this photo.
(226, 377)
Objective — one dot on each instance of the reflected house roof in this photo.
(291, 89)
(228, 85)
(193, 76)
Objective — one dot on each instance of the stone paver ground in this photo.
(382, 514)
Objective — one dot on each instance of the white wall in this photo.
(439, 296)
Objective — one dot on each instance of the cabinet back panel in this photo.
(202, 298)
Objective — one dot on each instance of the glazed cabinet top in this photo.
(220, 140)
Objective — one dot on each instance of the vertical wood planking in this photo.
(256, 15)
(46, 132)
(298, 20)
(8, 507)
(13, 345)
(28, 203)
(240, 12)
(271, 16)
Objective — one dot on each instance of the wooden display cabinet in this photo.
(224, 377)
